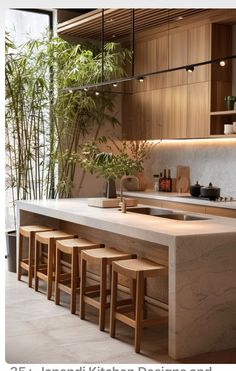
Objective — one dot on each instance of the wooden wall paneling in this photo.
(178, 112)
(127, 117)
(140, 65)
(157, 61)
(198, 107)
(157, 113)
(177, 57)
(221, 47)
(165, 111)
(199, 50)
(146, 117)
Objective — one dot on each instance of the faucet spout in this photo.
(122, 183)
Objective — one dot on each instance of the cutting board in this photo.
(182, 179)
(110, 202)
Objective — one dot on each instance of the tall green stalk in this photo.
(45, 124)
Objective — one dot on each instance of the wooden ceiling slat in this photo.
(89, 26)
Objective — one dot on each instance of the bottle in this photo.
(156, 182)
(160, 182)
(169, 182)
(163, 183)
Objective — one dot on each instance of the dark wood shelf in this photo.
(223, 113)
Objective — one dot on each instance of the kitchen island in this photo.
(200, 255)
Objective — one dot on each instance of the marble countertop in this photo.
(180, 197)
(145, 227)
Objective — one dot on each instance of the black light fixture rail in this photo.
(140, 77)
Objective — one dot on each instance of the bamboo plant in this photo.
(45, 124)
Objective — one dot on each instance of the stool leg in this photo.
(20, 248)
(51, 254)
(30, 262)
(102, 311)
(82, 287)
(57, 276)
(74, 275)
(36, 264)
(138, 310)
(113, 304)
(133, 291)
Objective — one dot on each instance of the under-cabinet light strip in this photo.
(137, 77)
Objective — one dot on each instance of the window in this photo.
(23, 25)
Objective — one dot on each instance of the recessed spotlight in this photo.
(222, 63)
(114, 84)
(85, 89)
(70, 91)
(190, 69)
(141, 79)
(113, 36)
(97, 93)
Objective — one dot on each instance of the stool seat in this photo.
(138, 270)
(53, 234)
(104, 258)
(69, 282)
(77, 242)
(109, 253)
(131, 266)
(46, 271)
(28, 231)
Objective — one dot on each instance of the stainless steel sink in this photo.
(183, 217)
(164, 213)
(150, 211)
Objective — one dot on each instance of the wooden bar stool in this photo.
(138, 270)
(45, 271)
(69, 282)
(104, 258)
(28, 231)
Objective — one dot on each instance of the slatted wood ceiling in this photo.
(118, 21)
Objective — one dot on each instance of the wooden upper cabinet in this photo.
(177, 104)
(198, 103)
(177, 58)
(199, 50)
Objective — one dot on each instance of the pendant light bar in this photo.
(144, 75)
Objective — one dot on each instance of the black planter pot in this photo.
(11, 250)
(111, 189)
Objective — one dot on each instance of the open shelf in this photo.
(223, 113)
(223, 136)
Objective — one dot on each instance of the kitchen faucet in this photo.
(122, 203)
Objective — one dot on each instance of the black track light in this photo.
(190, 68)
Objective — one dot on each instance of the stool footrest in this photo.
(24, 265)
(64, 288)
(42, 275)
(92, 302)
(123, 318)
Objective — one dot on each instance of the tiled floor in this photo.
(38, 331)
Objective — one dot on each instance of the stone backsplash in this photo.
(210, 160)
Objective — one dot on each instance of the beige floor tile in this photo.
(38, 331)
